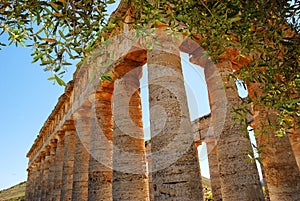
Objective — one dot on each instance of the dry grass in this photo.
(14, 193)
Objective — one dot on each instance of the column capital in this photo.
(42, 155)
(59, 135)
(53, 143)
(29, 169)
(34, 164)
(69, 125)
(47, 150)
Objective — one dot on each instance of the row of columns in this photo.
(100, 154)
(103, 157)
(232, 176)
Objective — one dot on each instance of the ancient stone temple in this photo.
(92, 145)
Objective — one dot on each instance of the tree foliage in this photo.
(264, 33)
(55, 30)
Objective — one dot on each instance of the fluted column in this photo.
(58, 166)
(175, 166)
(34, 182)
(36, 171)
(38, 196)
(280, 168)
(68, 164)
(51, 174)
(100, 162)
(29, 184)
(82, 155)
(149, 163)
(295, 143)
(213, 170)
(239, 178)
(281, 171)
(130, 180)
(46, 173)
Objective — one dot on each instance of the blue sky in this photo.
(27, 98)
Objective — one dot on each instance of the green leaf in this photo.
(36, 58)
(62, 34)
(46, 62)
(59, 81)
(110, 26)
(55, 6)
(61, 73)
(111, 1)
(49, 40)
(235, 19)
(38, 18)
(67, 64)
(105, 77)
(2, 44)
(51, 78)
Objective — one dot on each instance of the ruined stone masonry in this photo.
(92, 145)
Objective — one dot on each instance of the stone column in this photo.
(68, 164)
(58, 166)
(38, 195)
(81, 158)
(280, 166)
(295, 143)
(206, 132)
(100, 162)
(35, 180)
(130, 180)
(175, 165)
(51, 174)
(29, 184)
(149, 162)
(239, 178)
(214, 170)
(46, 173)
